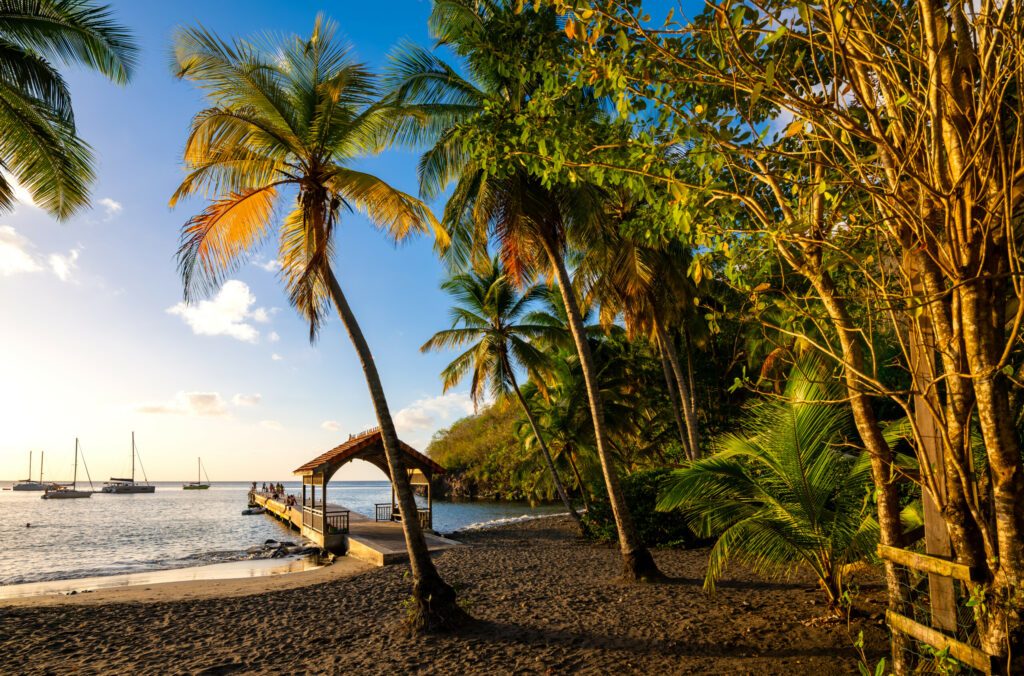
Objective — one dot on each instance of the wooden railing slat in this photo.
(967, 654)
(928, 564)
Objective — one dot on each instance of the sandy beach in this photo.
(546, 603)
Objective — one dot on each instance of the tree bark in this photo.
(684, 390)
(673, 395)
(579, 478)
(890, 527)
(638, 564)
(544, 450)
(435, 607)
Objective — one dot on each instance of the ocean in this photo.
(173, 528)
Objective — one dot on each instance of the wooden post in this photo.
(936, 537)
(430, 503)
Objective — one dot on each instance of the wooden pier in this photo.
(378, 539)
(355, 535)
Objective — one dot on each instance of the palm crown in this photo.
(492, 319)
(39, 144)
(287, 118)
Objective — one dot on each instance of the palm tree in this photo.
(285, 121)
(39, 144)
(487, 318)
(560, 405)
(782, 492)
(650, 288)
(532, 223)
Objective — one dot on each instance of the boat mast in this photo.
(41, 455)
(74, 477)
(30, 466)
(133, 457)
(199, 470)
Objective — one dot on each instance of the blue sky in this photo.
(95, 345)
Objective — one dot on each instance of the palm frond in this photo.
(72, 31)
(213, 241)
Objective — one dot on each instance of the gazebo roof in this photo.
(368, 446)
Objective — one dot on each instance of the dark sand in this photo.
(546, 603)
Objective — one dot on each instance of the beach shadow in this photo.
(511, 634)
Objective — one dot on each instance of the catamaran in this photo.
(198, 485)
(28, 484)
(64, 491)
(125, 486)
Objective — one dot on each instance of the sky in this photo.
(95, 341)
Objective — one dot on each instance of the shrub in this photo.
(640, 490)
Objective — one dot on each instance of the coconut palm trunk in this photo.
(638, 564)
(559, 487)
(673, 395)
(434, 603)
(579, 478)
(669, 348)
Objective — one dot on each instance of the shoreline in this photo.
(543, 601)
(213, 581)
(232, 578)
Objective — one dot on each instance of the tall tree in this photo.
(286, 119)
(488, 318)
(890, 181)
(39, 143)
(649, 287)
(531, 222)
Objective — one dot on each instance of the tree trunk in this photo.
(890, 527)
(684, 390)
(673, 395)
(579, 478)
(688, 350)
(434, 604)
(544, 450)
(638, 564)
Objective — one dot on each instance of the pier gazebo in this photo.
(317, 515)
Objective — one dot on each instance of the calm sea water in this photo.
(173, 528)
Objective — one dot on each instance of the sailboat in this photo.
(126, 486)
(198, 485)
(28, 484)
(65, 492)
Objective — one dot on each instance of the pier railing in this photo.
(334, 522)
(385, 512)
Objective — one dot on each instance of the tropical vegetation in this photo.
(285, 121)
(40, 149)
(762, 264)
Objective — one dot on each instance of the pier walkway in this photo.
(381, 543)
(335, 528)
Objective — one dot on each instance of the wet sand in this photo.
(545, 602)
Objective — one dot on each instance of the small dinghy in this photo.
(253, 510)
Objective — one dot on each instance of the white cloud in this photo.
(226, 314)
(208, 404)
(246, 399)
(419, 420)
(276, 357)
(270, 266)
(273, 337)
(331, 425)
(271, 425)
(18, 256)
(261, 315)
(15, 253)
(111, 208)
(63, 266)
